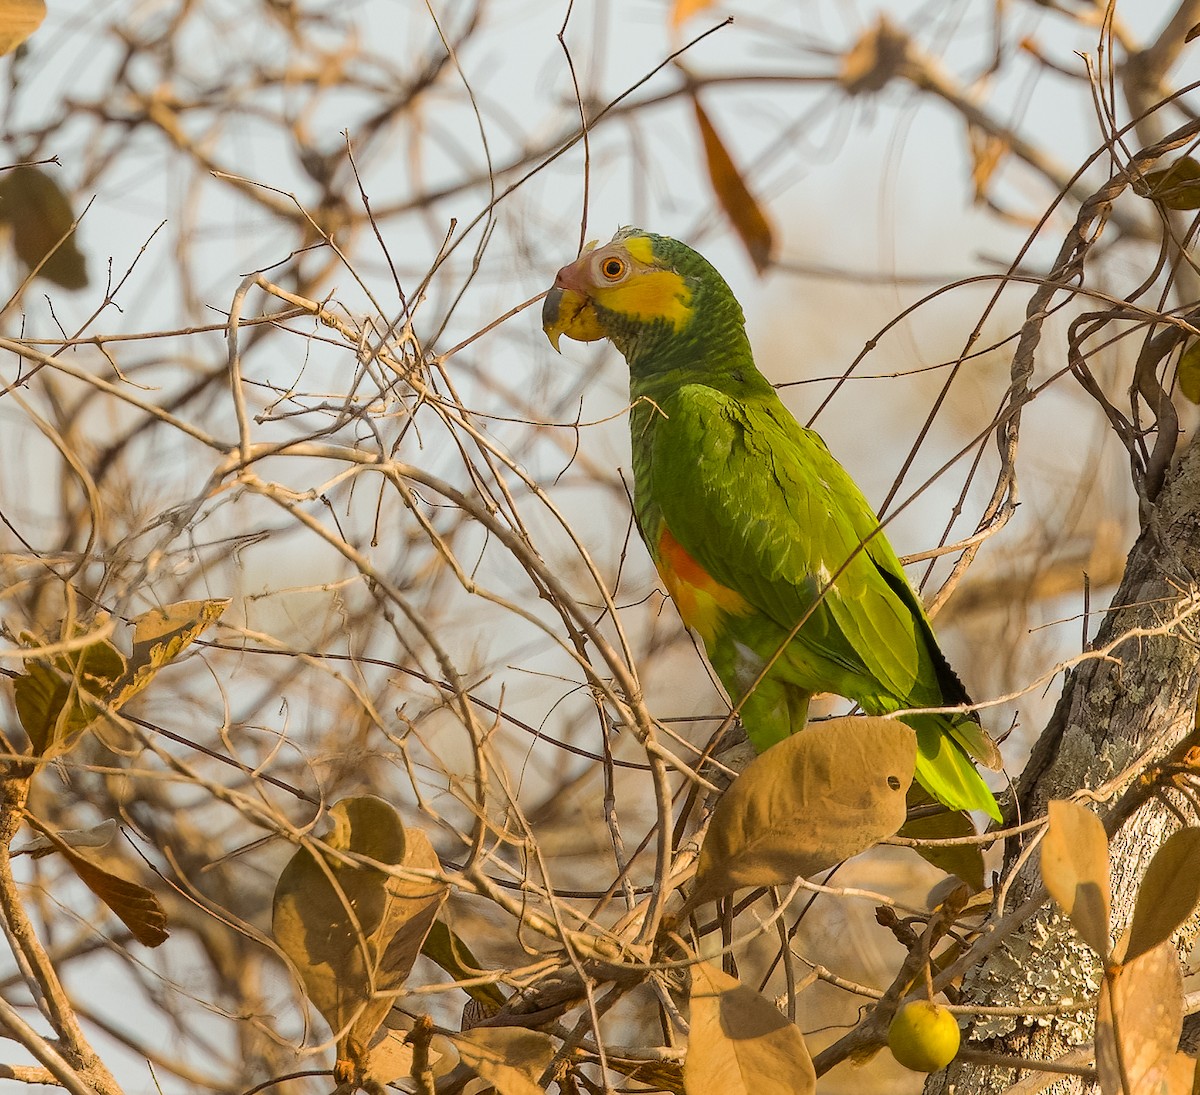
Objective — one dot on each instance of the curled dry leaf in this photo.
(1146, 998)
(740, 1043)
(821, 796)
(1075, 870)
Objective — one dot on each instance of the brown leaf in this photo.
(453, 955)
(1146, 996)
(56, 697)
(683, 10)
(18, 20)
(511, 1059)
(1188, 372)
(391, 1055)
(40, 215)
(136, 906)
(819, 797)
(747, 215)
(963, 860)
(875, 59)
(353, 931)
(160, 636)
(1168, 895)
(1075, 870)
(1176, 186)
(740, 1043)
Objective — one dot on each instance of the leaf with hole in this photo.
(352, 930)
(1075, 870)
(740, 1043)
(819, 797)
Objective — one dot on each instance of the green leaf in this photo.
(818, 797)
(1177, 186)
(1168, 895)
(1075, 870)
(56, 697)
(40, 216)
(511, 1059)
(353, 931)
(1146, 995)
(740, 1043)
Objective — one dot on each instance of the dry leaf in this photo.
(353, 931)
(1075, 870)
(875, 59)
(1168, 895)
(1146, 996)
(18, 20)
(819, 797)
(1177, 186)
(685, 9)
(511, 1059)
(746, 214)
(136, 907)
(40, 216)
(1188, 372)
(740, 1043)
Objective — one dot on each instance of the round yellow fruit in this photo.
(923, 1036)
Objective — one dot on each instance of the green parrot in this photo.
(770, 552)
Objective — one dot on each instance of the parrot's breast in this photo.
(702, 601)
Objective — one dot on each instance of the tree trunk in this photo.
(1139, 702)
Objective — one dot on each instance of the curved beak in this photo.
(568, 310)
(553, 322)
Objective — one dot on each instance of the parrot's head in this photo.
(652, 296)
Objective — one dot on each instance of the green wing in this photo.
(766, 510)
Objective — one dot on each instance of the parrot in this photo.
(768, 549)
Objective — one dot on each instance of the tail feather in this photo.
(945, 770)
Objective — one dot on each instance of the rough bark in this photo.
(1138, 703)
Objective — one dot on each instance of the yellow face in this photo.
(622, 278)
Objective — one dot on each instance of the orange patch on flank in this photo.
(700, 598)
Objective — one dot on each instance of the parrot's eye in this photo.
(613, 268)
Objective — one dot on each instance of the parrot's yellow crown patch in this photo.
(646, 291)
